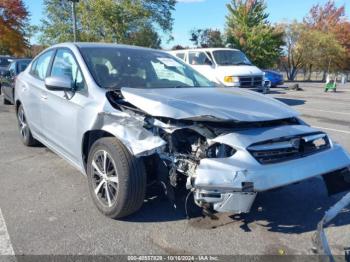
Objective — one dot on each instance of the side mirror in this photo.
(58, 83)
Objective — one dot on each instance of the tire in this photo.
(126, 185)
(6, 102)
(24, 130)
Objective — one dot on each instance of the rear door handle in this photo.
(43, 97)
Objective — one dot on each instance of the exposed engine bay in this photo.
(224, 162)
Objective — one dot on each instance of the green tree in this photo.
(122, 21)
(207, 38)
(56, 27)
(249, 30)
(310, 49)
(322, 51)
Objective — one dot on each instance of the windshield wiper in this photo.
(183, 86)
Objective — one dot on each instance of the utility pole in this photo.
(74, 18)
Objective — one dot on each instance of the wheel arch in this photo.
(17, 104)
(89, 138)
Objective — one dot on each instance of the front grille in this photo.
(255, 81)
(288, 148)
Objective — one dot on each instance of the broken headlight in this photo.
(218, 150)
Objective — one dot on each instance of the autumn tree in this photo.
(325, 17)
(342, 34)
(322, 51)
(13, 21)
(331, 20)
(310, 49)
(249, 30)
(207, 38)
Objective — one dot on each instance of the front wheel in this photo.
(117, 179)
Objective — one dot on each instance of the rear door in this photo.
(32, 91)
(60, 110)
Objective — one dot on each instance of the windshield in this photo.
(230, 57)
(116, 67)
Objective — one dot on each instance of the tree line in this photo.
(321, 41)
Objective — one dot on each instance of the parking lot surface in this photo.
(46, 207)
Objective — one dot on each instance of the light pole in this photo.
(74, 19)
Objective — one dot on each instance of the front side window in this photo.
(198, 58)
(230, 57)
(117, 67)
(41, 65)
(64, 65)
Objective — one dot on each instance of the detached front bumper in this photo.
(231, 184)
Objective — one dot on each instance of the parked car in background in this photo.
(275, 78)
(129, 116)
(225, 66)
(8, 78)
(4, 63)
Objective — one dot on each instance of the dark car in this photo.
(274, 77)
(4, 63)
(8, 78)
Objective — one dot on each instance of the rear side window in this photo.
(41, 65)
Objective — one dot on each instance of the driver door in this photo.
(61, 109)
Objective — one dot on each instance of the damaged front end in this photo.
(224, 163)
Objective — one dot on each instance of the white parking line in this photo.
(324, 111)
(5, 242)
(332, 129)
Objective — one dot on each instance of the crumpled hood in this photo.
(219, 104)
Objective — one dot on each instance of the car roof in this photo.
(204, 49)
(93, 44)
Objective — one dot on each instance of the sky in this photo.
(191, 14)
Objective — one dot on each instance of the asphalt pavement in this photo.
(46, 208)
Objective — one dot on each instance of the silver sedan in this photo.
(127, 116)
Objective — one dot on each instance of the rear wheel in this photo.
(24, 130)
(117, 179)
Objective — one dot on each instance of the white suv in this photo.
(225, 66)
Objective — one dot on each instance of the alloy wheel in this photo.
(23, 127)
(105, 178)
